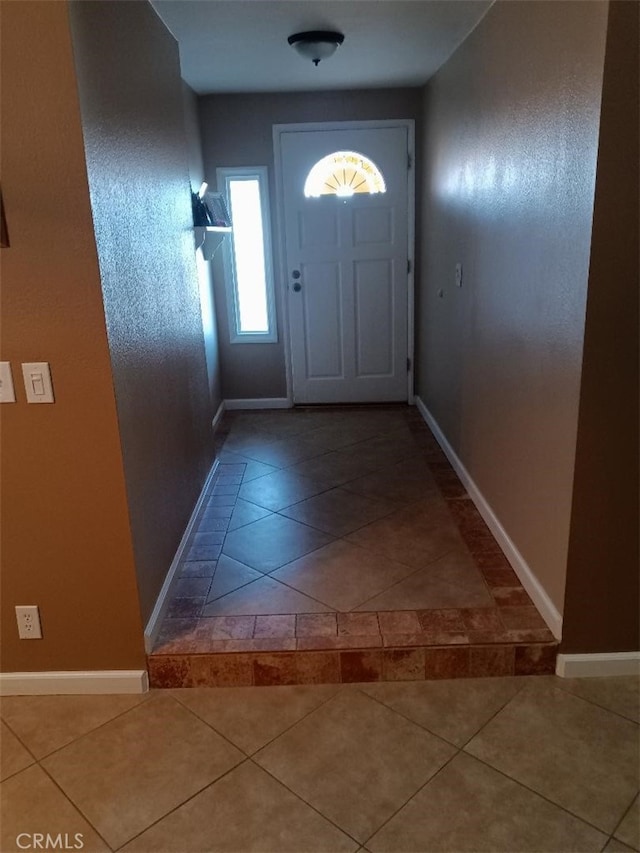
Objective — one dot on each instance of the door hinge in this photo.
(408, 365)
(408, 266)
(409, 161)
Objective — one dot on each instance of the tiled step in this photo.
(504, 636)
(334, 666)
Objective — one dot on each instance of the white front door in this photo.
(347, 270)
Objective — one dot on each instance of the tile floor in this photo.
(338, 545)
(413, 766)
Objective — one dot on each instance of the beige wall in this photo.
(133, 122)
(237, 131)
(511, 127)
(66, 544)
(603, 578)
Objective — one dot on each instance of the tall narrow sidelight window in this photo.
(247, 256)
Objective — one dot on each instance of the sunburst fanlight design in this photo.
(344, 173)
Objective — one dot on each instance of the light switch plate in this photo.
(458, 275)
(7, 391)
(37, 382)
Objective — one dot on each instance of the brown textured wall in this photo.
(511, 127)
(603, 574)
(65, 529)
(237, 130)
(133, 122)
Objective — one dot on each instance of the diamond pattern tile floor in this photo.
(404, 482)
(628, 829)
(346, 510)
(245, 513)
(31, 802)
(14, 757)
(251, 718)
(554, 720)
(229, 576)
(339, 512)
(498, 764)
(342, 575)
(279, 490)
(365, 763)
(424, 591)
(263, 596)
(118, 776)
(439, 817)
(68, 718)
(273, 819)
(454, 710)
(269, 543)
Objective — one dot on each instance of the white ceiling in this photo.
(241, 45)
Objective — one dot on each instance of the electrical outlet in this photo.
(28, 619)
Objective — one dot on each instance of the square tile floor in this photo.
(338, 544)
(388, 767)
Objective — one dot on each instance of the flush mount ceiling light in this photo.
(316, 44)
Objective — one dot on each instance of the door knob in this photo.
(295, 274)
(297, 287)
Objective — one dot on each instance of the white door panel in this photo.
(318, 228)
(374, 316)
(373, 225)
(348, 305)
(321, 297)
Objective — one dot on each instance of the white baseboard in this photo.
(162, 602)
(529, 581)
(215, 423)
(599, 664)
(260, 403)
(58, 683)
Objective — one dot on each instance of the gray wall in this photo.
(133, 123)
(511, 135)
(237, 131)
(205, 274)
(602, 594)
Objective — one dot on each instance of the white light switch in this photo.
(37, 382)
(7, 392)
(458, 275)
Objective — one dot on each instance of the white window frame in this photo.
(224, 174)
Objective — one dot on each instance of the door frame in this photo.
(281, 250)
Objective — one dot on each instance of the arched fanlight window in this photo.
(344, 173)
